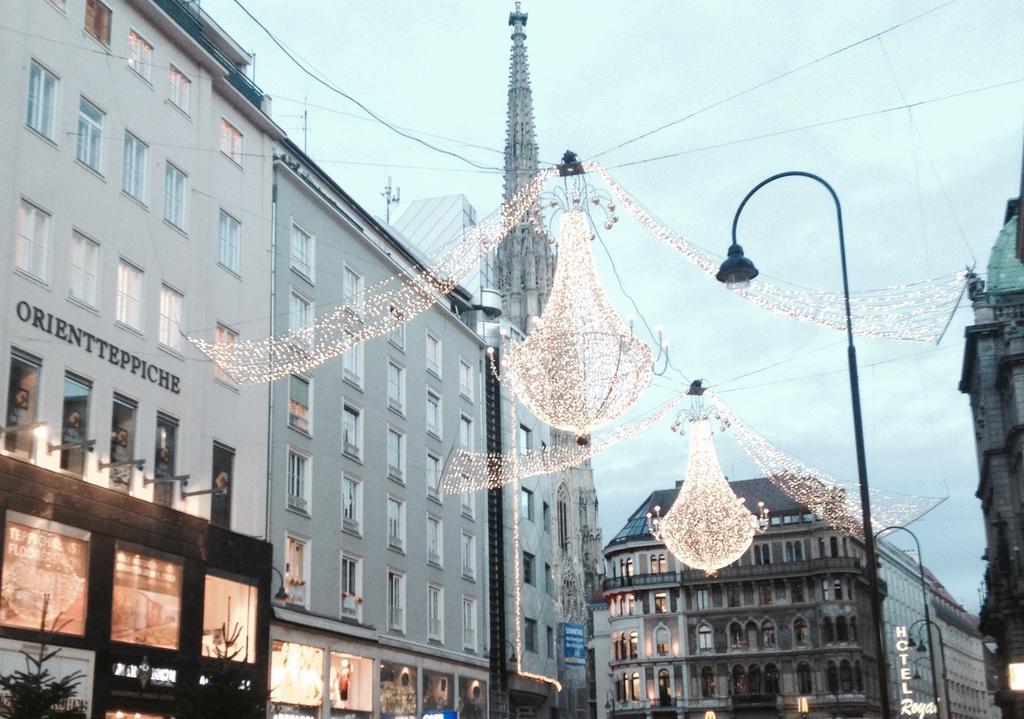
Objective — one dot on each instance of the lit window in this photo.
(396, 454)
(661, 601)
(433, 477)
(84, 260)
(181, 89)
(661, 639)
(133, 181)
(32, 243)
(396, 387)
(396, 601)
(298, 481)
(229, 620)
(97, 20)
(468, 556)
(296, 569)
(222, 473)
(224, 336)
(435, 540)
(351, 503)
(22, 403)
(396, 523)
(89, 148)
(465, 379)
(170, 318)
(228, 233)
(146, 601)
(231, 141)
(175, 191)
(122, 442)
(128, 309)
(298, 404)
(351, 593)
(435, 613)
(350, 429)
(165, 458)
(434, 413)
(296, 675)
(302, 252)
(469, 623)
(42, 101)
(433, 354)
(140, 56)
(75, 423)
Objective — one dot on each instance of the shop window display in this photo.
(351, 684)
(472, 698)
(22, 403)
(438, 691)
(397, 690)
(229, 620)
(147, 600)
(296, 674)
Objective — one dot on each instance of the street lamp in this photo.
(922, 647)
(281, 595)
(736, 272)
(803, 707)
(924, 599)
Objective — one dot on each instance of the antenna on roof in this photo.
(392, 196)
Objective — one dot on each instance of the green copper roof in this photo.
(1005, 271)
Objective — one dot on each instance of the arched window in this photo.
(833, 546)
(619, 696)
(737, 640)
(563, 522)
(623, 646)
(827, 632)
(634, 682)
(842, 634)
(754, 679)
(705, 638)
(739, 679)
(801, 631)
(771, 679)
(845, 676)
(832, 676)
(634, 640)
(664, 687)
(751, 634)
(767, 634)
(858, 677)
(853, 629)
(804, 683)
(707, 682)
(661, 639)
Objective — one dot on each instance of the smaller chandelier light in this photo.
(708, 527)
(580, 367)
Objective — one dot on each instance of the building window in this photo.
(97, 20)
(75, 423)
(396, 455)
(351, 503)
(170, 318)
(434, 413)
(658, 564)
(530, 634)
(224, 336)
(767, 634)
(828, 632)
(634, 645)
(804, 681)
(842, 634)
(396, 335)
(228, 233)
(549, 580)
(525, 439)
(732, 594)
(22, 404)
(469, 623)
(352, 365)
(301, 321)
(801, 631)
(526, 504)
(563, 528)
(396, 524)
(764, 594)
(435, 613)
(302, 252)
(84, 261)
(133, 180)
(180, 89)
(661, 639)
(796, 591)
(140, 56)
(737, 637)
(550, 642)
(223, 476)
(435, 541)
(128, 309)
(705, 638)
(546, 517)
(465, 432)
(352, 290)
(42, 101)
(298, 481)
(165, 458)
(89, 148)
(122, 442)
(31, 246)
(298, 403)
(433, 355)
(351, 434)
(296, 569)
(396, 387)
(229, 607)
(845, 676)
(230, 142)
(529, 562)
(468, 556)
(146, 600)
(465, 379)
(702, 600)
(837, 589)
(707, 682)
(824, 590)
(433, 477)
(351, 595)
(396, 601)
(771, 679)
(175, 182)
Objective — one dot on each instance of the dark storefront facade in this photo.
(141, 599)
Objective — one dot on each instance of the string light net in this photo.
(580, 367)
(708, 526)
(918, 311)
(834, 501)
(373, 311)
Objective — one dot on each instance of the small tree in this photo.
(228, 690)
(35, 693)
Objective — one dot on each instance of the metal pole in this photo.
(942, 654)
(924, 599)
(858, 433)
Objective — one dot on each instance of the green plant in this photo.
(226, 690)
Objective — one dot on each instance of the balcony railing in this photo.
(641, 580)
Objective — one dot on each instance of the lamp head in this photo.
(737, 271)
(281, 595)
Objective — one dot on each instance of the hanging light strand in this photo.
(917, 311)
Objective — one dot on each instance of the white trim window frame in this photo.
(297, 573)
(469, 623)
(466, 432)
(224, 335)
(229, 242)
(396, 523)
(396, 454)
(396, 600)
(302, 246)
(32, 242)
(140, 56)
(89, 145)
(175, 195)
(300, 408)
(43, 98)
(352, 423)
(351, 586)
(300, 479)
(435, 613)
(133, 167)
(435, 413)
(435, 540)
(301, 320)
(433, 476)
(84, 268)
(128, 305)
(353, 285)
(351, 504)
(434, 354)
(172, 306)
(396, 386)
(468, 546)
(229, 142)
(466, 379)
(180, 89)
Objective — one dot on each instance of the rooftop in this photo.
(1005, 270)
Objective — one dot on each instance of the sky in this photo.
(923, 190)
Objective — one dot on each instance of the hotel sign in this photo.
(908, 705)
(72, 334)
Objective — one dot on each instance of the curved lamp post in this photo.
(281, 595)
(736, 272)
(922, 647)
(924, 598)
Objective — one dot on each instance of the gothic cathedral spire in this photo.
(524, 263)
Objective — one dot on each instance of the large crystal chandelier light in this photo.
(708, 526)
(580, 367)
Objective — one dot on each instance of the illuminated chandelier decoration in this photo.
(580, 367)
(918, 311)
(708, 527)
